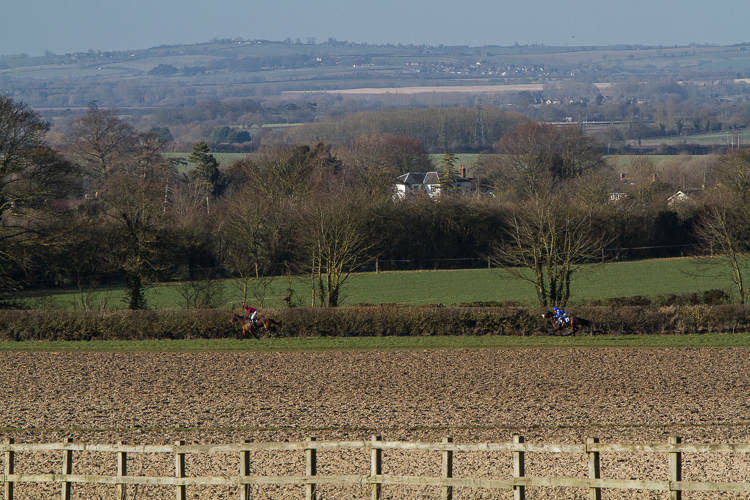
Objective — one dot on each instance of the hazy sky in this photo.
(63, 26)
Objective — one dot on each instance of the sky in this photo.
(67, 26)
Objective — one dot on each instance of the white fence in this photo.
(376, 480)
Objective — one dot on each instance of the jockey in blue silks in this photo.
(560, 315)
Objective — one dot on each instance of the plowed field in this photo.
(548, 396)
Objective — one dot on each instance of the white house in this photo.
(427, 182)
(682, 197)
(414, 182)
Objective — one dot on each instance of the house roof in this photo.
(413, 178)
(418, 178)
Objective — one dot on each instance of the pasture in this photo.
(649, 278)
(616, 162)
(225, 159)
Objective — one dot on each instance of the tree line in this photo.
(109, 207)
(665, 109)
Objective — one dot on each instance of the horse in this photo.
(574, 322)
(250, 327)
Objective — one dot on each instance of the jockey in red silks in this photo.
(251, 313)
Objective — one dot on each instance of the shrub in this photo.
(366, 321)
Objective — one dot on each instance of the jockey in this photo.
(251, 313)
(560, 315)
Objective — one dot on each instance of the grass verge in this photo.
(741, 340)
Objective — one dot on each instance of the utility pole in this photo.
(479, 126)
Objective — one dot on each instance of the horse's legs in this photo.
(248, 328)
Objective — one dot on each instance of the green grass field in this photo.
(620, 279)
(710, 138)
(616, 162)
(225, 159)
(740, 340)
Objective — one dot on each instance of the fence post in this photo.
(675, 469)
(311, 469)
(10, 468)
(376, 468)
(244, 472)
(67, 468)
(594, 469)
(122, 470)
(446, 492)
(519, 492)
(179, 471)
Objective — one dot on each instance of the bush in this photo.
(58, 324)
(367, 321)
(163, 70)
(226, 134)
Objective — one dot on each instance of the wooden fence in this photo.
(376, 479)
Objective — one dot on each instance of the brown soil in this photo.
(518, 87)
(548, 396)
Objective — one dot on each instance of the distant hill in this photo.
(223, 69)
(632, 96)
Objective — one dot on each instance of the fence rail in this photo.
(376, 479)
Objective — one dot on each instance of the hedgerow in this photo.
(364, 321)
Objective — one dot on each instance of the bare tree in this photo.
(336, 238)
(375, 160)
(723, 226)
(98, 139)
(191, 222)
(732, 173)
(192, 228)
(579, 153)
(133, 195)
(256, 237)
(136, 205)
(529, 158)
(535, 156)
(546, 241)
(33, 181)
(724, 232)
(594, 188)
(287, 172)
(685, 172)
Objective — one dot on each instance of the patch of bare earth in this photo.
(548, 396)
(519, 87)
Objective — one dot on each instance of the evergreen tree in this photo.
(164, 133)
(240, 136)
(206, 171)
(449, 174)
(222, 134)
(226, 134)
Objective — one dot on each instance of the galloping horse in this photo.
(574, 322)
(250, 327)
